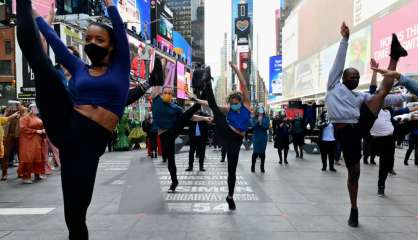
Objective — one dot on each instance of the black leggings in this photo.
(229, 140)
(81, 141)
(168, 139)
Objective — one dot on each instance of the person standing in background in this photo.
(152, 133)
(327, 144)
(298, 135)
(31, 146)
(281, 138)
(4, 162)
(198, 134)
(260, 124)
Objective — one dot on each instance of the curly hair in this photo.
(236, 95)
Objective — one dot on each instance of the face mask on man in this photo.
(260, 110)
(236, 107)
(351, 84)
(167, 98)
(95, 53)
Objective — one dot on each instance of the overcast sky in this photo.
(218, 21)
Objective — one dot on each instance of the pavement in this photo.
(297, 202)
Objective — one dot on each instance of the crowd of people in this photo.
(22, 134)
(82, 104)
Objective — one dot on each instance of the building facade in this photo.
(198, 34)
(7, 64)
(182, 17)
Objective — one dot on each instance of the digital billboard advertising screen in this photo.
(403, 22)
(275, 75)
(181, 81)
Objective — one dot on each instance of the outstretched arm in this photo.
(373, 82)
(243, 82)
(121, 57)
(339, 63)
(405, 81)
(64, 56)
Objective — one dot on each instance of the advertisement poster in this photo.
(275, 86)
(142, 60)
(164, 43)
(290, 40)
(41, 6)
(170, 74)
(359, 53)
(182, 47)
(307, 76)
(188, 79)
(404, 23)
(288, 82)
(365, 9)
(326, 60)
(181, 81)
(144, 9)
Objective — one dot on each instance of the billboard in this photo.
(365, 9)
(326, 60)
(144, 9)
(169, 73)
(41, 6)
(307, 76)
(181, 82)
(359, 53)
(182, 47)
(275, 75)
(404, 22)
(235, 14)
(319, 25)
(291, 40)
(162, 27)
(188, 80)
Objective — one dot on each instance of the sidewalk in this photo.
(297, 201)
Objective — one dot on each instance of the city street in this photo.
(297, 201)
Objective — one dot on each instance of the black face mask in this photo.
(352, 84)
(95, 53)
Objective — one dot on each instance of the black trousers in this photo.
(327, 149)
(81, 141)
(153, 140)
(412, 146)
(385, 147)
(168, 140)
(198, 145)
(229, 140)
(262, 158)
(223, 153)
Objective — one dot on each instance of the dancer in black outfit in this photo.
(77, 129)
(170, 119)
(231, 124)
(198, 135)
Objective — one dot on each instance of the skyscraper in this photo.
(278, 33)
(198, 34)
(182, 17)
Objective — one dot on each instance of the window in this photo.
(8, 47)
(5, 67)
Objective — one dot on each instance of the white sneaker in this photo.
(28, 181)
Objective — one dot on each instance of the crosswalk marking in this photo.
(24, 211)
